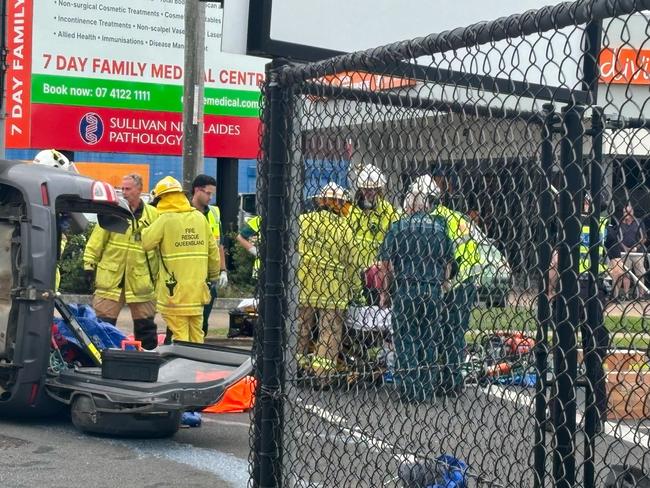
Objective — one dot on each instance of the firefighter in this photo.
(122, 271)
(328, 263)
(189, 259)
(414, 265)
(461, 295)
(371, 216)
(64, 229)
(203, 188)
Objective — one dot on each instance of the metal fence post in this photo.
(565, 355)
(257, 352)
(594, 316)
(544, 250)
(592, 46)
(270, 391)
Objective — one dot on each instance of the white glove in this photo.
(253, 251)
(223, 279)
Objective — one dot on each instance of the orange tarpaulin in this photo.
(237, 398)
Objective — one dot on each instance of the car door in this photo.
(31, 206)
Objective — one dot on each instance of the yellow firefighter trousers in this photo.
(187, 328)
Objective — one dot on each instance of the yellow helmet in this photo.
(167, 185)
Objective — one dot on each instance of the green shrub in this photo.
(71, 264)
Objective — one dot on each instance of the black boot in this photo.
(168, 337)
(146, 332)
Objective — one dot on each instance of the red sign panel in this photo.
(19, 67)
(132, 131)
(107, 77)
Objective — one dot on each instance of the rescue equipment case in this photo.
(130, 365)
(241, 323)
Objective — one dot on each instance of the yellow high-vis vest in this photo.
(466, 248)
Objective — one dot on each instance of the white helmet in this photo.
(334, 191)
(54, 159)
(419, 193)
(425, 186)
(371, 177)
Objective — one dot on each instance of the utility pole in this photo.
(194, 68)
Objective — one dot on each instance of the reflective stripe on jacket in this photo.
(120, 261)
(584, 247)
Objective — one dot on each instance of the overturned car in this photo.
(189, 377)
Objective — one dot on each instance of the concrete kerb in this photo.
(219, 304)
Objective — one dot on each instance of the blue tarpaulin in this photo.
(103, 334)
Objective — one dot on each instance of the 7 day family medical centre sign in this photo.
(101, 76)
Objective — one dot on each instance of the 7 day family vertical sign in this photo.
(108, 76)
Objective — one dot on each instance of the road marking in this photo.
(613, 429)
(355, 432)
(225, 422)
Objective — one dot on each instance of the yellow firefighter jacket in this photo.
(329, 260)
(120, 262)
(189, 256)
(370, 228)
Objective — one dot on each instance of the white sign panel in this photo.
(111, 75)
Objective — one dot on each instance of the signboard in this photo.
(108, 76)
(625, 66)
(319, 29)
(344, 26)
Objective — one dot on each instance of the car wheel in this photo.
(87, 418)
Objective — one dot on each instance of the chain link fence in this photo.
(454, 284)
